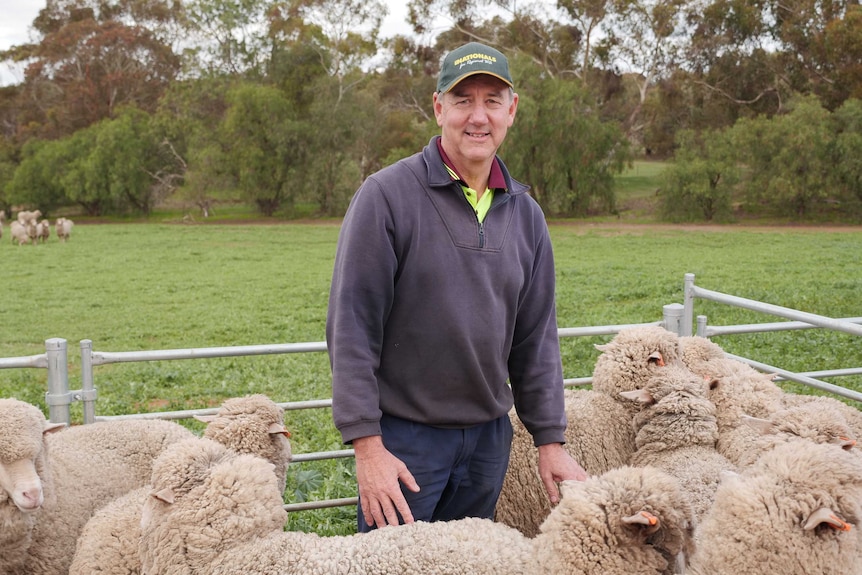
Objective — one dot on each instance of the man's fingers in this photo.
(553, 491)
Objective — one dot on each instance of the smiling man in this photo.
(442, 315)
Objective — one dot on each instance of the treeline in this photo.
(287, 105)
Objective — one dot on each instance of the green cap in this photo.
(470, 59)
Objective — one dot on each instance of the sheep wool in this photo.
(796, 511)
(677, 432)
(631, 357)
(254, 424)
(598, 436)
(26, 482)
(91, 465)
(213, 511)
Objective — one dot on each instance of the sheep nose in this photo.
(30, 499)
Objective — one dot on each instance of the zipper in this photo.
(481, 233)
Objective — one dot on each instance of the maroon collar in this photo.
(495, 178)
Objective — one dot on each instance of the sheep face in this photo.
(632, 356)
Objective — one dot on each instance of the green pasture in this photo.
(131, 286)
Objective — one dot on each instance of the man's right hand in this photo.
(378, 474)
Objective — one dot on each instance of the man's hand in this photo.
(555, 465)
(378, 473)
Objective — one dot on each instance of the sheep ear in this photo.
(763, 426)
(51, 427)
(639, 395)
(275, 428)
(657, 358)
(650, 522)
(205, 418)
(827, 516)
(846, 443)
(568, 487)
(165, 495)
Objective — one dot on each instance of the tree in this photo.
(700, 183)
(561, 148)
(848, 154)
(265, 141)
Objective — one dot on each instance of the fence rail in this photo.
(678, 318)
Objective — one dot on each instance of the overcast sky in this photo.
(17, 15)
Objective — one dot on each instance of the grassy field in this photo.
(131, 286)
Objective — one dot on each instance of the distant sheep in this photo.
(109, 541)
(25, 216)
(677, 432)
(83, 466)
(63, 228)
(214, 511)
(43, 231)
(19, 232)
(796, 511)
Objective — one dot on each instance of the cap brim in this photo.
(459, 79)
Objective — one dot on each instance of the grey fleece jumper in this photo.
(430, 312)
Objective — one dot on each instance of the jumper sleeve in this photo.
(359, 303)
(535, 367)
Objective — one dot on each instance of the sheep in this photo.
(851, 415)
(815, 421)
(43, 231)
(19, 233)
(631, 357)
(677, 432)
(109, 541)
(63, 227)
(796, 511)
(215, 511)
(83, 467)
(598, 436)
(25, 480)
(24, 216)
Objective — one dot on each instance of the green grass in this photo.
(129, 286)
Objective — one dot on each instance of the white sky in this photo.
(17, 15)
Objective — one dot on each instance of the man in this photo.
(442, 295)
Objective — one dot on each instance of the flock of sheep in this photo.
(698, 464)
(28, 228)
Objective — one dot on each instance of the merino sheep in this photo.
(25, 216)
(796, 511)
(815, 421)
(109, 541)
(43, 231)
(63, 227)
(217, 512)
(84, 467)
(26, 484)
(677, 432)
(598, 436)
(631, 357)
(19, 233)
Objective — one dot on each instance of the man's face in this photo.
(475, 116)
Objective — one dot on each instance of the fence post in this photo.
(672, 317)
(701, 325)
(88, 390)
(57, 397)
(688, 302)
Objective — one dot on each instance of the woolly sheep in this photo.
(598, 436)
(25, 479)
(631, 357)
(677, 432)
(109, 541)
(25, 216)
(19, 233)
(43, 231)
(84, 467)
(63, 227)
(796, 511)
(217, 512)
(815, 421)
(851, 415)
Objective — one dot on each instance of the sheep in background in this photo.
(19, 233)
(815, 421)
(214, 511)
(84, 466)
(26, 483)
(677, 432)
(598, 436)
(63, 227)
(24, 216)
(43, 231)
(796, 511)
(109, 541)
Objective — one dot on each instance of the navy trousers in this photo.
(460, 472)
